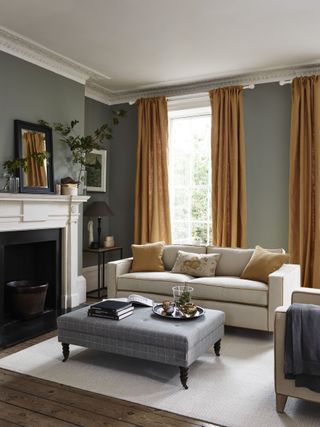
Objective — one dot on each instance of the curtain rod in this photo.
(193, 95)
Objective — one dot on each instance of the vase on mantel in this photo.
(82, 185)
(9, 184)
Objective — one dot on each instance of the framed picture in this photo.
(96, 166)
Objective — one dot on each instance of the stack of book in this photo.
(110, 309)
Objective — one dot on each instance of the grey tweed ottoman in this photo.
(145, 336)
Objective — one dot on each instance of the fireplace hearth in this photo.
(35, 256)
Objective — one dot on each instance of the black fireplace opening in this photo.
(35, 256)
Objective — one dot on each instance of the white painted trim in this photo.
(177, 103)
(91, 273)
(81, 289)
(19, 212)
(98, 93)
(24, 48)
(189, 112)
(199, 87)
(96, 83)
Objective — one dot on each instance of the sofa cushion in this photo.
(147, 257)
(234, 260)
(231, 289)
(263, 263)
(170, 253)
(151, 282)
(198, 265)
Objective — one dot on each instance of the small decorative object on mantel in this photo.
(82, 146)
(69, 187)
(98, 209)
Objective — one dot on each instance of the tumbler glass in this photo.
(182, 295)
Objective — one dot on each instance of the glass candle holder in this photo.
(182, 295)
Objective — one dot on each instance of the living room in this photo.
(87, 61)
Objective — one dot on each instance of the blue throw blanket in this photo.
(302, 346)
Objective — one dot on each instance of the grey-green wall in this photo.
(121, 152)
(267, 136)
(30, 93)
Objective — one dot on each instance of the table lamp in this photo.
(98, 209)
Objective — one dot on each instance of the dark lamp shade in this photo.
(98, 209)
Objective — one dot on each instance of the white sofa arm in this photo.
(114, 270)
(306, 296)
(281, 285)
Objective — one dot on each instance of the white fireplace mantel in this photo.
(20, 212)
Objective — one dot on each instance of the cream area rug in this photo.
(233, 390)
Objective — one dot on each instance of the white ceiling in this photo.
(142, 44)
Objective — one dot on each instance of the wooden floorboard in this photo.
(29, 401)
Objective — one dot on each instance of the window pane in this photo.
(199, 203)
(180, 232)
(190, 178)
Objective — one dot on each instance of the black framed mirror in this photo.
(33, 142)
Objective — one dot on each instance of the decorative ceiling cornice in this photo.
(195, 87)
(24, 48)
(96, 82)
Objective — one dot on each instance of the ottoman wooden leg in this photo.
(217, 347)
(65, 351)
(184, 376)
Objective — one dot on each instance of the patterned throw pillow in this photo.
(198, 265)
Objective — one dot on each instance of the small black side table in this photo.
(101, 257)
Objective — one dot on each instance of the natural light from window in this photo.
(190, 176)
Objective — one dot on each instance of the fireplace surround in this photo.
(34, 228)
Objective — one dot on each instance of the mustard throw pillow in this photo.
(262, 263)
(147, 257)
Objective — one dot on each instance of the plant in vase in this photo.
(81, 146)
(11, 168)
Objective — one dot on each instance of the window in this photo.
(190, 175)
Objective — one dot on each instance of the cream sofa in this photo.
(246, 303)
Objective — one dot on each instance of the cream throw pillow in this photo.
(262, 263)
(198, 265)
(147, 257)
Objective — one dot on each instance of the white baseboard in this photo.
(91, 276)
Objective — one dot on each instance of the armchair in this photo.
(283, 386)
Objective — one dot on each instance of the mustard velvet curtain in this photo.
(304, 188)
(229, 198)
(152, 214)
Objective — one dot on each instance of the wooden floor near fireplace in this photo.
(28, 401)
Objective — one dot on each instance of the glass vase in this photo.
(13, 184)
(82, 186)
(182, 295)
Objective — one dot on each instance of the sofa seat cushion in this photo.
(230, 289)
(152, 282)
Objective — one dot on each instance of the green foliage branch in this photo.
(81, 146)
